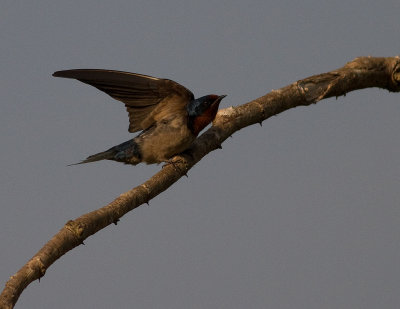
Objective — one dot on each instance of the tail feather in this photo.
(127, 152)
(105, 155)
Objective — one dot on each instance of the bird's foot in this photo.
(174, 164)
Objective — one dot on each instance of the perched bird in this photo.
(167, 113)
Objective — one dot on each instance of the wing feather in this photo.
(141, 94)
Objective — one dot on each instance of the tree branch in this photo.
(363, 72)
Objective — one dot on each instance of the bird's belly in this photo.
(163, 146)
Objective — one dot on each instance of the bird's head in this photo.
(202, 111)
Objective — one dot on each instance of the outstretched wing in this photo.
(144, 96)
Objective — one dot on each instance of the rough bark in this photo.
(363, 72)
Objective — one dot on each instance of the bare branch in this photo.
(364, 72)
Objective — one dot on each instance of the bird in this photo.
(167, 114)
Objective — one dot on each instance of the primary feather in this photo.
(144, 96)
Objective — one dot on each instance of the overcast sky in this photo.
(303, 212)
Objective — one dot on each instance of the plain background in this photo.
(302, 212)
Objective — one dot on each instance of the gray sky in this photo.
(300, 213)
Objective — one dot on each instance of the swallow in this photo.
(166, 113)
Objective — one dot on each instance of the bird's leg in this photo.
(174, 164)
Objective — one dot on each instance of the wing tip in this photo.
(64, 73)
(56, 74)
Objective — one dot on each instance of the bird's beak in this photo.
(219, 99)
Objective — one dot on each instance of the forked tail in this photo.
(105, 155)
(127, 152)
